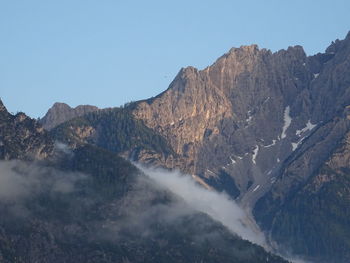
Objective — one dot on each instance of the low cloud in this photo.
(145, 205)
(157, 204)
(62, 147)
(218, 206)
(21, 180)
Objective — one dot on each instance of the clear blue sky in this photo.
(108, 52)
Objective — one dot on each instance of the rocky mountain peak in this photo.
(4, 114)
(241, 55)
(246, 49)
(338, 45)
(2, 106)
(214, 117)
(296, 51)
(60, 106)
(62, 112)
(188, 72)
(22, 137)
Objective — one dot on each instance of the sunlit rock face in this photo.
(264, 124)
(239, 115)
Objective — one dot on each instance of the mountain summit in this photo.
(61, 112)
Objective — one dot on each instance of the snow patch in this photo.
(278, 160)
(309, 126)
(249, 119)
(211, 171)
(256, 188)
(270, 145)
(232, 160)
(255, 154)
(267, 99)
(287, 121)
(296, 145)
(316, 75)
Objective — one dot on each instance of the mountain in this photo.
(61, 112)
(87, 204)
(115, 130)
(22, 137)
(268, 124)
(312, 217)
(268, 128)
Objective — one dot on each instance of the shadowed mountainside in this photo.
(87, 204)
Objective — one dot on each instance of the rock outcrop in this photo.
(61, 112)
(22, 137)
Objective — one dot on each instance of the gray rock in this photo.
(61, 112)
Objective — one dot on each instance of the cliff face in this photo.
(61, 112)
(250, 110)
(266, 124)
(234, 115)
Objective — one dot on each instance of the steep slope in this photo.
(61, 112)
(323, 201)
(309, 202)
(88, 204)
(263, 123)
(22, 137)
(233, 116)
(115, 130)
(250, 110)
